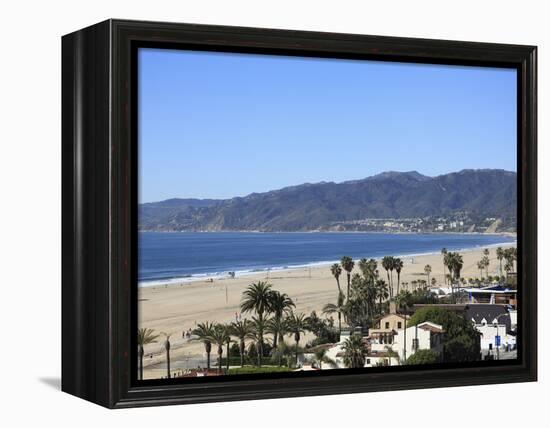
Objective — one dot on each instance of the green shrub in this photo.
(423, 356)
(254, 370)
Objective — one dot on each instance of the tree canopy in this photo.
(462, 343)
(423, 356)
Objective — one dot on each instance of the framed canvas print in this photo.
(253, 213)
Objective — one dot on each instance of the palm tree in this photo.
(322, 357)
(428, 271)
(338, 308)
(297, 324)
(278, 328)
(444, 253)
(508, 266)
(447, 261)
(354, 352)
(258, 327)
(241, 330)
(257, 298)
(280, 304)
(368, 269)
(398, 265)
(347, 263)
(392, 267)
(145, 337)
(219, 337)
(454, 263)
(387, 263)
(391, 353)
(203, 333)
(480, 266)
(284, 351)
(403, 300)
(382, 290)
(486, 264)
(511, 255)
(458, 263)
(336, 270)
(167, 349)
(500, 256)
(227, 328)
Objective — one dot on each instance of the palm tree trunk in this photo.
(141, 352)
(296, 363)
(168, 363)
(338, 284)
(260, 351)
(242, 353)
(208, 360)
(398, 279)
(349, 281)
(220, 353)
(340, 323)
(227, 357)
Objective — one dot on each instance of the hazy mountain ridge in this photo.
(321, 206)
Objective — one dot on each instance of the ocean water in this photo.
(175, 257)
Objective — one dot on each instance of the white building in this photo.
(489, 333)
(426, 335)
(375, 359)
(491, 321)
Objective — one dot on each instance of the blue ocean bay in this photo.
(176, 256)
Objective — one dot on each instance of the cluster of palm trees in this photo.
(453, 262)
(484, 263)
(509, 255)
(271, 314)
(390, 263)
(365, 295)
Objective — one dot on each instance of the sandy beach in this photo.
(175, 308)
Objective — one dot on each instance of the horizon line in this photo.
(329, 182)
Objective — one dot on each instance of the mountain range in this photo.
(319, 206)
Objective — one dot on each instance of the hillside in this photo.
(470, 196)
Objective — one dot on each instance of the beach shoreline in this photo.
(177, 281)
(175, 308)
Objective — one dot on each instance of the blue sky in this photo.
(218, 125)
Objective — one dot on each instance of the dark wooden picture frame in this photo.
(99, 194)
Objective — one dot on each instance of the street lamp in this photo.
(495, 323)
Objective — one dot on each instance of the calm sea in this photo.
(173, 257)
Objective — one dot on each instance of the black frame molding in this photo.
(99, 191)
